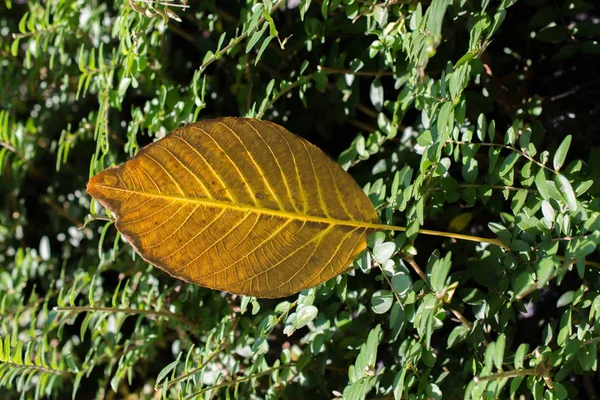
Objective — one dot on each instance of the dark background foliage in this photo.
(83, 85)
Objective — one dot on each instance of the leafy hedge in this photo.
(469, 117)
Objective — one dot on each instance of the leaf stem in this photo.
(452, 235)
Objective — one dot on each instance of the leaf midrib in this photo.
(247, 208)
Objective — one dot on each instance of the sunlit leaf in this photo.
(239, 205)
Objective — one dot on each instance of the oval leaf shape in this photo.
(240, 205)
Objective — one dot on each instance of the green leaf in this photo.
(564, 186)
(481, 127)
(305, 315)
(263, 47)
(508, 163)
(256, 37)
(445, 120)
(439, 272)
(588, 357)
(167, 370)
(520, 354)
(561, 153)
(304, 5)
(553, 34)
(383, 251)
(542, 185)
(499, 351)
(376, 94)
(382, 301)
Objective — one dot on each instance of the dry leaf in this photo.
(240, 205)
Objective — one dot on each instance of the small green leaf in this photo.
(255, 37)
(383, 251)
(382, 301)
(564, 186)
(542, 185)
(561, 153)
(520, 354)
(305, 315)
(167, 370)
(376, 94)
(508, 163)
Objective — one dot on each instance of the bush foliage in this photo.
(470, 117)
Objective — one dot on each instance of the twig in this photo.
(507, 374)
(283, 92)
(504, 146)
(376, 74)
(235, 41)
(497, 187)
(536, 285)
(35, 367)
(239, 380)
(165, 314)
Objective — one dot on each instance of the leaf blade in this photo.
(239, 205)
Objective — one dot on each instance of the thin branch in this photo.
(462, 318)
(36, 367)
(376, 74)
(286, 90)
(62, 212)
(504, 146)
(239, 380)
(133, 311)
(451, 235)
(411, 261)
(536, 285)
(163, 3)
(508, 374)
(389, 282)
(195, 370)
(237, 40)
(360, 125)
(50, 29)
(497, 187)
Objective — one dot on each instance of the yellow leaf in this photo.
(240, 205)
(460, 222)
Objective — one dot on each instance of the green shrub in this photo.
(451, 115)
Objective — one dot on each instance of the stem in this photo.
(452, 235)
(328, 70)
(536, 285)
(50, 29)
(361, 125)
(163, 3)
(165, 314)
(504, 146)
(192, 372)
(411, 261)
(498, 187)
(37, 368)
(462, 319)
(507, 374)
(282, 92)
(62, 212)
(236, 381)
(389, 283)
(237, 40)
